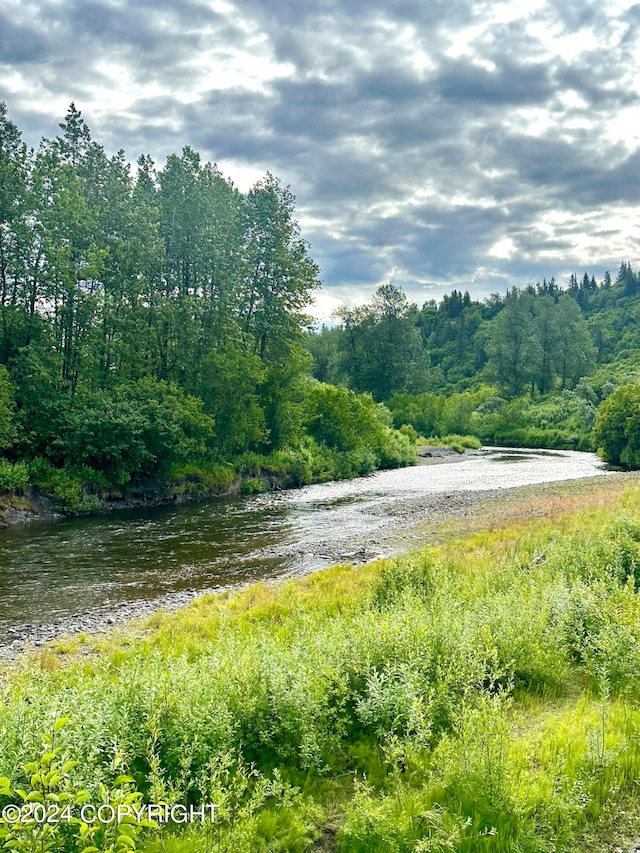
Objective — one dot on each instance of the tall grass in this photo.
(482, 697)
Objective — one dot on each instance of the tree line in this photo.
(530, 366)
(153, 323)
(529, 340)
(151, 318)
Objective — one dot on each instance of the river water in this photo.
(53, 573)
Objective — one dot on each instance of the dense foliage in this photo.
(617, 427)
(480, 697)
(529, 367)
(154, 324)
(153, 327)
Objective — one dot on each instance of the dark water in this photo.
(53, 571)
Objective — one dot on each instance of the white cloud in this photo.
(503, 248)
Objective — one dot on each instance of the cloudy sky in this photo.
(436, 143)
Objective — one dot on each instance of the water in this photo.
(53, 571)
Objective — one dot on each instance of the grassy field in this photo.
(480, 696)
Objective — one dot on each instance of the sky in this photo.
(437, 144)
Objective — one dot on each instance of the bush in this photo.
(210, 476)
(253, 486)
(13, 476)
(616, 433)
(459, 443)
(410, 432)
(67, 487)
(138, 431)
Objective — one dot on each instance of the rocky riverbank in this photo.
(399, 526)
(25, 506)
(394, 532)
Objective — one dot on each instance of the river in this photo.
(79, 574)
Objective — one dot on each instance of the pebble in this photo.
(399, 524)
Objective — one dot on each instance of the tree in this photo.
(138, 431)
(513, 347)
(8, 431)
(351, 423)
(72, 261)
(382, 349)
(324, 347)
(281, 277)
(15, 236)
(549, 334)
(616, 433)
(229, 387)
(575, 350)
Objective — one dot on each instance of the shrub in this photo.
(459, 443)
(212, 476)
(616, 433)
(13, 476)
(137, 431)
(253, 485)
(410, 432)
(67, 487)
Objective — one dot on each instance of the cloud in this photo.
(20, 42)
(506, 85)
(416, 136)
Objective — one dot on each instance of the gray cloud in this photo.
(21, 43)
(509, 84)
(414, 144)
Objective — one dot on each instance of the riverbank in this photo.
(24, 507)
(70, 498)
(31, 504)
(61, 494)
(484, 689)
(401, 525)
(406, 523)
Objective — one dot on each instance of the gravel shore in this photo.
(400, 526)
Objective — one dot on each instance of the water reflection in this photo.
(50, 571)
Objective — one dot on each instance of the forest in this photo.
(154, 338)
(529, 367)
(152, 330)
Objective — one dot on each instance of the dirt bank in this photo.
(24, 507)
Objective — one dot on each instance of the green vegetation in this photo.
(617, 428)
(152, 331)
(459, 443)
(483, 696)
(156, 322)
(528, 368)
